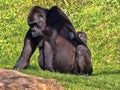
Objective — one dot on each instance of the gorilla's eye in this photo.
(32, 24)
(40, 16)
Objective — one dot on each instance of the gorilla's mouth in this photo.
(36, 32)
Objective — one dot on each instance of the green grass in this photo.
(100, 19)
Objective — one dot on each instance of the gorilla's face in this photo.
(37, 20)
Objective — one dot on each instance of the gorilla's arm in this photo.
(30, 45)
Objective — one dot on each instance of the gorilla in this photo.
(59, 59)
(49, 30)
(83, 58)
(82, 36)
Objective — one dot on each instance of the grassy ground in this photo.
(100, 19)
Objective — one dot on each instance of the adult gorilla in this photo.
(58, 51)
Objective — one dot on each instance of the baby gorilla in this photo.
(83, 59)
(82, 36)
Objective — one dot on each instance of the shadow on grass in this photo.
(107, 72)
(33, 67)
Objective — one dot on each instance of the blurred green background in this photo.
(100, 19)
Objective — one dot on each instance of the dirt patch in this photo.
(14, 80)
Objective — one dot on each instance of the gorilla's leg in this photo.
(45, 58)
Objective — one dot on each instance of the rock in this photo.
(14, 80)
